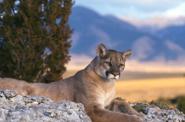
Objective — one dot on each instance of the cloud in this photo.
(174, 15)
(176, 11)
(146, 3)
(136, 8)
(156, 21)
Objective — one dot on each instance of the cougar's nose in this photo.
(115, 73)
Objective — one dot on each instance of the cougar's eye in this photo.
(122, 65)
(108, 63)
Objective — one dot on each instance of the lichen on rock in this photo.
(17, 108)
(153, 113)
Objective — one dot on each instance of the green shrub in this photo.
(181, 104)
(162, 103)
(141, 107)
(178, 102)
(34, 39)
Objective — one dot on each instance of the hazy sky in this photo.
(140, 9)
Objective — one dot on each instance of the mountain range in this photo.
(91, 28)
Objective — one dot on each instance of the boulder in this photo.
(153, 113)
(17, 108)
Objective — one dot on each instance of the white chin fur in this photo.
(117, 77)
(111, 76)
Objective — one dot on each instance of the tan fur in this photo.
(88, 86)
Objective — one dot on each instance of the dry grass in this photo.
(150, 89)
(143, 81)
(143, 86)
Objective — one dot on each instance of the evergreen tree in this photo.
(34, 39)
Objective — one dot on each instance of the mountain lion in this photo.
(93, 86)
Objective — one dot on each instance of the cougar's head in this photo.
(110, 63)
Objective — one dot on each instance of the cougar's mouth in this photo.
(112, 76)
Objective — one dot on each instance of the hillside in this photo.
(91, 28)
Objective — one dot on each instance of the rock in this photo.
(16, 108)
(153, 113)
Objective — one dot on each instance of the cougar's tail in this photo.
(20, 86)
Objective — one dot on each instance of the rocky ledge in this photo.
(16, 108)
(153, 113)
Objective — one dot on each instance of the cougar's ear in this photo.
(101, 50)
(127, 54)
